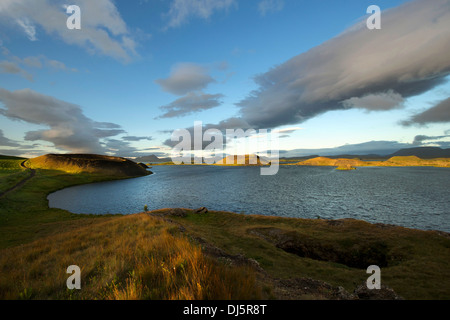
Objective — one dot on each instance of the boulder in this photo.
(177, 213)
(385, 293)
(201, 210)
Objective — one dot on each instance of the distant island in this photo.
(351, 164)
(151, 159)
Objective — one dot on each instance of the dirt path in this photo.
(22, 182)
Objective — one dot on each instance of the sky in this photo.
(138, 70)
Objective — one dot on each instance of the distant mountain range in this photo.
(421, 152)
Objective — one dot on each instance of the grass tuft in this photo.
(141, 260)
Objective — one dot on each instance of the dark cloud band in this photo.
(370, 69)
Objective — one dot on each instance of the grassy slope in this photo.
(128, 257)
(36, 243)
(121, 257)
(11, 173)
(417, 258)
(24, 213)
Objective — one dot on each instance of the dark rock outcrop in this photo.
(177, 212)
(201, 210)
(385, 293)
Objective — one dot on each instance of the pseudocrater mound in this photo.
(88, 163)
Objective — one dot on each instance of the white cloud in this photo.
(182, 10)
(28, 28)
(16, 65)
(68, 128)
(287, 130)
(33, 62)
(186, 77)
(270, 6)
(191, 103)
(57, 65)
(103, 31)
(13, 68)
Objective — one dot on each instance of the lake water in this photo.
(412, 197)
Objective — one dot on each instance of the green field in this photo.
(160, 255)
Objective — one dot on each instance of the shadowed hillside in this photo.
(423, 152)
(151, 159)
(3, 157)
(89, 163)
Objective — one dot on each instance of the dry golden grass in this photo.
(410, 161)
(130, 257)
(323, 161)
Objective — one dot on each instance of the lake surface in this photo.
(412, 197)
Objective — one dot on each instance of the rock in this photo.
(385, 293)
(298, 288)
(177, 213)
(201, 210)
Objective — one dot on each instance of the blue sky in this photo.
(138, 70)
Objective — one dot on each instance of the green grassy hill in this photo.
(88, 163)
